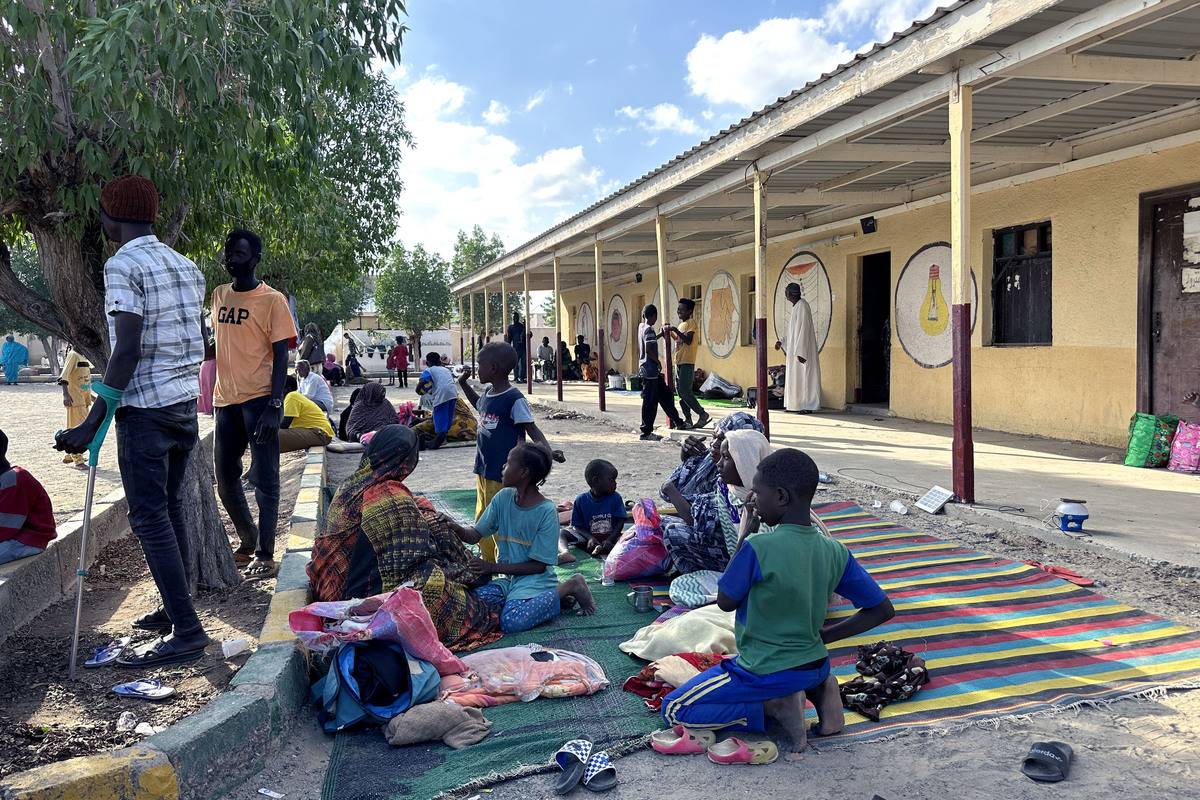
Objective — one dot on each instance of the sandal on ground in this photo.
(1048, 762)
(160, 653)
(155, 622)
(242, 559)
(261, 569)
(572, 759)
(600, 775)
(702, 422)
(679, 741)
(144, 690)
(107, 654)
(735, 751)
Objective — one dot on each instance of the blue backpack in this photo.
(371, 682)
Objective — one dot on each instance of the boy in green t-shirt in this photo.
(779, 583)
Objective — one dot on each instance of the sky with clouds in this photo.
(527, 111)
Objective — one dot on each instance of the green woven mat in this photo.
(717, 403)
(524, 735)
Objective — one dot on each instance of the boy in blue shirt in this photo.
(505, 420)
(438, 382)
(598, 515)
(778, 583)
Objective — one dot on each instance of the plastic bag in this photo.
(1185, 449)
(397, 616)
(717, 388)
(524, 673)
(1150, 440)
(640, 551)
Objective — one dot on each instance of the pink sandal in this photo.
(736, 751)
(679, 741)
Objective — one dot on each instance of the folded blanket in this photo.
(524, 672)
(455, 725)
(705, 630)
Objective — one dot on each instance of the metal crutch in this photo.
(111, 397)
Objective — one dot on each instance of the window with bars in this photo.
(696, 292)
(1021, 285)
(748, 290)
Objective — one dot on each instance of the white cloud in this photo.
(569, 89)
(535, 100)
(496, 113)
(882, 17)
(752, 68)
(460, 174)
(590, 62)
(662, 117)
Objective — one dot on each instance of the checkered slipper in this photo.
(601, 775)
(572, 759)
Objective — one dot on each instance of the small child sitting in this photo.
(598, 514)
(779, 583)
(525, 526)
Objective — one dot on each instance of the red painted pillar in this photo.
(963, 449)
(602, 378)
(760, 354)
(528, 359)
(558, 365)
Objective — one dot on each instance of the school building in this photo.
(995, 217)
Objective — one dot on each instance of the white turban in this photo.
(748, 448)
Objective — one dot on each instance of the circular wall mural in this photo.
(923, 295)
(722, 314)
(585, 324)
(618, 327)
(666, 314)
(807, 270)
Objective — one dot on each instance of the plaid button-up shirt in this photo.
(147, 278)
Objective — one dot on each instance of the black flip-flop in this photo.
(572, 759)
(154, 622)
(1048, 762)
(160, 653)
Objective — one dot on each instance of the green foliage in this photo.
(412, 292)
(550, 310)
(473, 251)
(263, 115)
(25, 265)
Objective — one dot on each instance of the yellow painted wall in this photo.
(1083, 387)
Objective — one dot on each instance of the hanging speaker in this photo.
(868, 224)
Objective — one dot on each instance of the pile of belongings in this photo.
(717, 388)
(887, 674)
(659, 678)
(524, 673)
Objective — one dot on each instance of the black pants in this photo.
(402, 374)
(153, 445)
(655, 394)
(234, 433)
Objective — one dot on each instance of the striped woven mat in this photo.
(1000, 638)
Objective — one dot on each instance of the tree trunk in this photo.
(210, 556)
(416, 348)
(74, 271)
(51, 349)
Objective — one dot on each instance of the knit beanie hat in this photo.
(130, 198)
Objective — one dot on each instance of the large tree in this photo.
(22, 260)
(473, 251)
(226, 105)
(412, 292)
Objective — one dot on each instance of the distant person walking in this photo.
(398, 360)
(516, 337)
(13, 355)
(76, 382)
(153, 297)
(802, 373)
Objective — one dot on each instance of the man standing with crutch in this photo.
(153, 297)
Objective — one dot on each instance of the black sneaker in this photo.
(650, 437)
(155, 622)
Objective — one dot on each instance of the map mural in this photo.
(722, 314)
(923, 295)
(618, 327)
(585, 324)
(807, 270)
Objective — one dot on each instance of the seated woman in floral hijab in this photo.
(377, 536)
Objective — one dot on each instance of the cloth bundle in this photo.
(453, 724)
(887, 674)
(640, 551)
(526, 672)
(705, 630)
(1150, 440)
(1185, 449)
(659, 678)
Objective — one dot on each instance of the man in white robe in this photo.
(802, 375)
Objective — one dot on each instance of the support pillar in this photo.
(462, 342)
(601, 378)
(487, 317)
(528, 334)
(963, 450)
(471, 300)
(760, 300)
(664, 313)
(504, 317)
(558, 326)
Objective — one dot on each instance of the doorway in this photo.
(874, 329)
(1169, 303)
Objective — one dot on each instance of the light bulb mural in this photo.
(922, 321)
(935, 314)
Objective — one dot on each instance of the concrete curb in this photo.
(206, 754)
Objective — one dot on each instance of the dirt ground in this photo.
(1150, 748)
(46, 718)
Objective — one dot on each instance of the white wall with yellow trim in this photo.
(1082, 387)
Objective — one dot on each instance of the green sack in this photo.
(1150, 440)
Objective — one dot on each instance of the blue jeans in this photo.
(521, 615)
(12, 550)
(153, 445)
(234, 433)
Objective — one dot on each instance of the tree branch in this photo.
(26, 302)
(171, 232)
(63, 115)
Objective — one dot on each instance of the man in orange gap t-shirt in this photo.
(253, 328)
